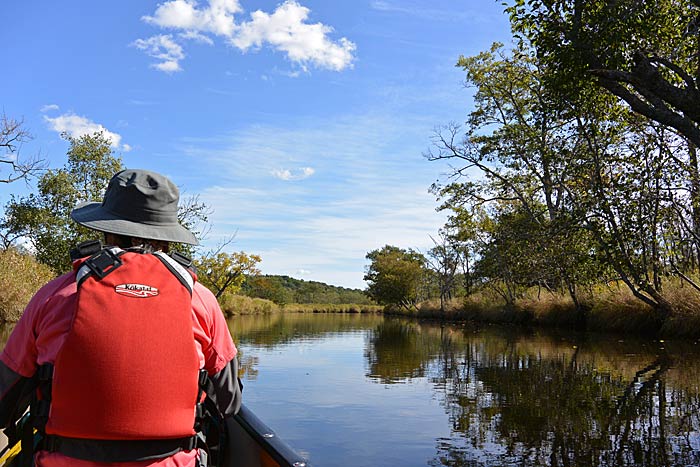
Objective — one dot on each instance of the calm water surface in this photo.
(358, 390)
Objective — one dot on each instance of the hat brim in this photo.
(94, 216)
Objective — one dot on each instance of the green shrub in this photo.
(241, 305)
(330, 308)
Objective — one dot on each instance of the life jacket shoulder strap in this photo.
(100, 264)
(106, 260)
(181, 272)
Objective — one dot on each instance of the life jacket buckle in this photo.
(45, 372)
(185, 261)
(203, 376)
(84, 249)
(103, 263)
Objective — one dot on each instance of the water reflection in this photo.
(533, 401)
(391, 392)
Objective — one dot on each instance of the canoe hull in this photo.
(250, 443)
(254, 444)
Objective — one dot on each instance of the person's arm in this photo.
(219, 351)
(19, 357)
(15, 392)
(227, 389)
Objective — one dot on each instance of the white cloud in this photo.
(48, 108)
(298, 174)
(196, 36)
(164, 48)
(285, 30)
(77, 126)
(217, 18)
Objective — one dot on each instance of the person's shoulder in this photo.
(202, 293)
(61, 285)
(60, 290)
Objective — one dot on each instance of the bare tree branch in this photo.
(12, 136)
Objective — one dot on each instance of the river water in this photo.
(363, 390)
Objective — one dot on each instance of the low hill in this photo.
(285, 289)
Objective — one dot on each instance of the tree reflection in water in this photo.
(545, 403)
(518, 399)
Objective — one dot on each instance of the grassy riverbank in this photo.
(607, 309)
(243, 305)
(21, 276)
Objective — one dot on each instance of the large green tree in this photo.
(43, 217)
(644, 52)
(570, 188)
(395, 276)
(225, 272)
(517, 153)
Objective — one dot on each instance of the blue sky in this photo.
(302, 124)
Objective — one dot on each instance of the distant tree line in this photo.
(284, 289)
(578, 164)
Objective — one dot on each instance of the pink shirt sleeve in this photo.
(211, 330)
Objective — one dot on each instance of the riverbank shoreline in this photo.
(614, 311)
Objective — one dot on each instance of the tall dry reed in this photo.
(20, 277)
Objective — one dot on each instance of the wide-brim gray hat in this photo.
(137, 203)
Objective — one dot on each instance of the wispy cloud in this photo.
(77, 126)
(369, 189)
(49, 108)
(430, 14)
(293, 174)
(196, 36)
(286, 29)
(139, 102)
(164, 49)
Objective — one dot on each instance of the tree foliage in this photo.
(645, 53)
(444, 260)
(568, 186)
(514, 164)
(43, 217)
(284, 289)
(395, 276)
(225, 272)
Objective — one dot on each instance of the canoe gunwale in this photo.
(266, 438)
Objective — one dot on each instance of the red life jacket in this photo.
(128, 368)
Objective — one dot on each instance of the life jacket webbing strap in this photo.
(41, 402)
(99, 450)
(209, 421)
(177, 269)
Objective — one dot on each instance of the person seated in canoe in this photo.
(127, 359)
